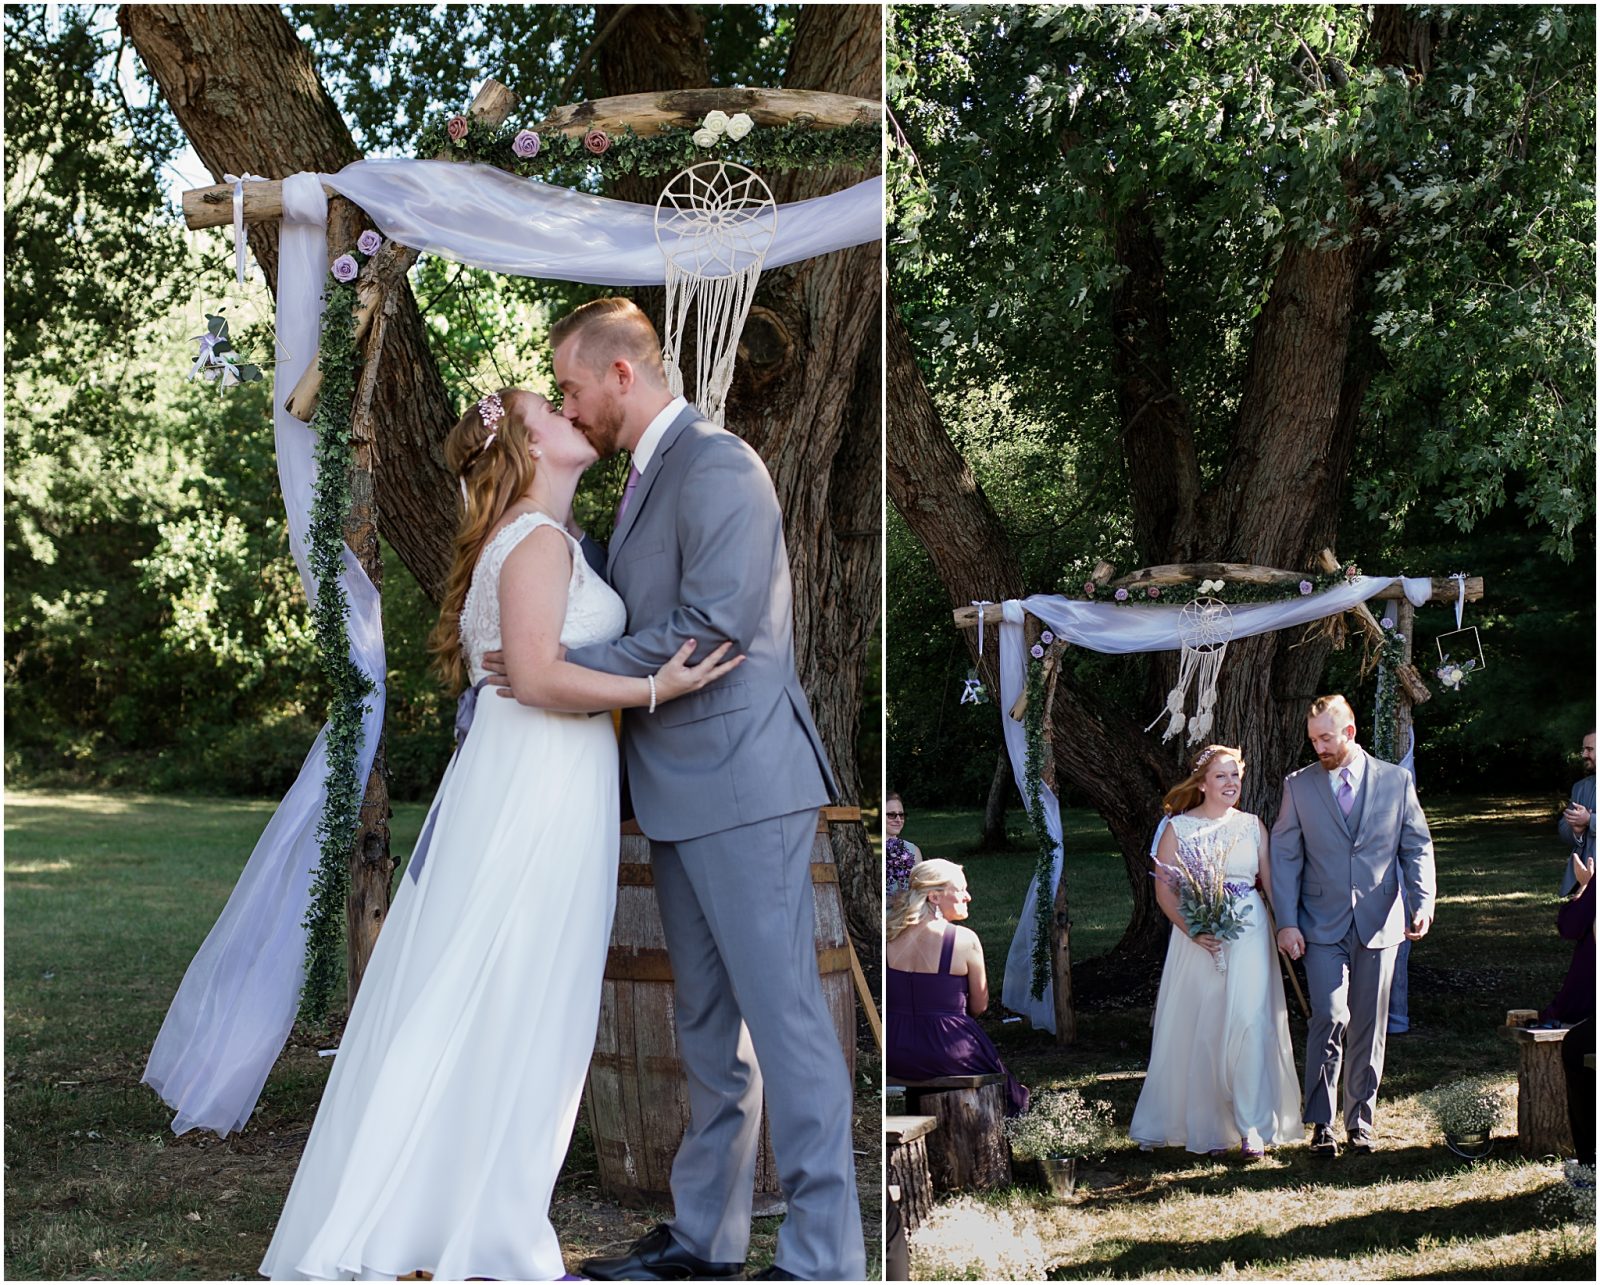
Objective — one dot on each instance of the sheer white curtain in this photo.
(1122, 631)
(236, 1004)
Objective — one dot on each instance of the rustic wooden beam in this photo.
(211, 207)
(1183, 572)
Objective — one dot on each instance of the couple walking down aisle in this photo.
(447, 1117)
(1349, 851)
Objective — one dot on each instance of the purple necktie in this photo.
(1347, 796)
(627, 494)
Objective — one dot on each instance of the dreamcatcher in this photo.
(1205, 628)
(714, 223)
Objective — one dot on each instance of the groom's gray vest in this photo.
(699, 554)
(1328, 869)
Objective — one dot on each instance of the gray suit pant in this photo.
(740, 922)
(1349, 986)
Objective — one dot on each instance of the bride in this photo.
(451, 1103)
(1221, 1068)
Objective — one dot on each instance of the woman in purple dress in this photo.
(938, 985)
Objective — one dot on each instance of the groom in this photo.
(726, 783)
(1349, 849)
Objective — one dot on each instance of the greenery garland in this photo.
(1385, 731)
(1045, 861)
(570, 157)
(341, 809)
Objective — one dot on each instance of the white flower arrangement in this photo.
(739, 125)
(718, 125)
(1468, 1108)
(1212, 586)
(1058, 1125)
(966, 1239)
(716, 122)
(706, 138)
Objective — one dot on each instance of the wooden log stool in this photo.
(906, 1137)
(968, 1149)
(1543, 1128)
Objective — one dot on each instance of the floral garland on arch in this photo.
(1033, 784)
(718, 137)
(338, 358)
(1082, 582)
(1391, 654)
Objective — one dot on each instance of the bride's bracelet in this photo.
(652, 708)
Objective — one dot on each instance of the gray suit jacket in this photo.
(1582, 792)
(700, 554)
(1328, 869)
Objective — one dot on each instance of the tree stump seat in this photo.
(1543, 1128)
(906, 1138)
(968, 1149)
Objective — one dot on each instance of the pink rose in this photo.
(526, 144)
(597, 142)
(369, 242)
(345, 268)
(456, 127)
(1153, 591)
(1089, 586)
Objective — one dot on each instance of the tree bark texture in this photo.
(1275, 503)
(246, 93)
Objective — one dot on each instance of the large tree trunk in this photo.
(246, 93)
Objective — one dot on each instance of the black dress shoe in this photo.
(774, 1273)
(1323, 1142)
(1361, 1144)
(656, 1256)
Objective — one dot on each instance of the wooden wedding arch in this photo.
(1413, 691)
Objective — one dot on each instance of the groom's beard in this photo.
(604, 430)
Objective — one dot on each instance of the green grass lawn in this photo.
(107, 897)
(1411, 1211)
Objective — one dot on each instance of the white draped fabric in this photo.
(237, 1001)
(1120, 631)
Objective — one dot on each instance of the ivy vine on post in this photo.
(1045, 859)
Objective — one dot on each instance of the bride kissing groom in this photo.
(446, 1119)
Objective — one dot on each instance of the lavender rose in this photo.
(526, 144)
(1305, 588)
(1036, 651)
(345, 268)
(1121, 595)
(456, 127)
(369, 242)
(1046, 637)
(597, 142)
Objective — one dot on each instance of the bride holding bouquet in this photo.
(1221, 1069)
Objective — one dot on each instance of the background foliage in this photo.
(156, 632)
(1236, 123)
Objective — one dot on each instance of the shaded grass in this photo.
(1411, 1211)
(108, 896)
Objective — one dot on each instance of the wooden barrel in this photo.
(637, 1096)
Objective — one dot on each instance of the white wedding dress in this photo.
(1221, 1067)
(451, 1103)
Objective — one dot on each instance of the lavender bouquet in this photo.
(897, 861)
(1208, 901)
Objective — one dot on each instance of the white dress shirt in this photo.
(1356, 765)
(651, 437)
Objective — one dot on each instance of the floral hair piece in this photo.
(1206, 755)
(491, 410)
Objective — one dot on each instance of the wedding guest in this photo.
(1576, 826)
(1574, 1003)
(937, 985)
(899, 853)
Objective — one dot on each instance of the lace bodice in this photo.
(1243, 829)
(594, 612)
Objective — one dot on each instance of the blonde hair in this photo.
(495, 476)
(608, 330)
(1187, 793)
(1335, 705)
(910, 907)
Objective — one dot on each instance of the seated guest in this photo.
(937, 985)
(899, 853)
(1576, 826)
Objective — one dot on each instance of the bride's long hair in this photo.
(1186, 793)
(494, 475)
(910, 906)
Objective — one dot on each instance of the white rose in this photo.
(716, 122)
(739, 126)
(706, 138)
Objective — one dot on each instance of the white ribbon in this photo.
(980, 604)
(1460, 578)
(239, 243)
